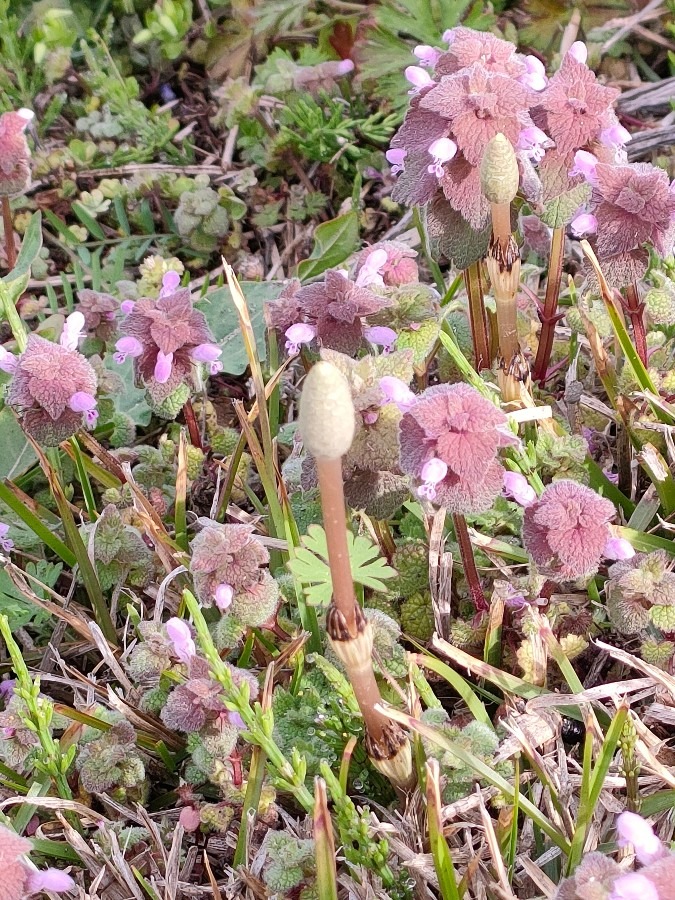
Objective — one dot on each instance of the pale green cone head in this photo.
(326, 419)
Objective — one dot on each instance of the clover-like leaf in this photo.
(310, 565)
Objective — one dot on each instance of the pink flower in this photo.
(419, 78)
(7, 361)
(567, 529)
(518, 487)
(480, 104)
(468, 47)
(433, 471)
(633, 829)
(584, 223)
(584, 165)
(6, 543)
(72, 331)
(399, 266)
(382, 336)
(427, 55)
(575, 108)
(535, 77)
(462, 428)
(223, 596)
(127, 346)
(396, 158)
(236, 719)
(127, 306)
(208, 353)
(168, 330)
(14, 152)
(46, 376)
(49, 880)
(82, 402)
(99, 311)
(534, 142)
(633, 205)
(181, 637)
(633, 886)
(397, 391)
(618, 548)
(370, 271)
(226, 555)
(579, 52)
(442, 151)
(297, 335)
(616, 137)
(190, 818)
(163, 364)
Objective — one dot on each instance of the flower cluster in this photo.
(567, 530)
(450, 437)
(165, 337)
(21, 879)
(14, 152)
(99, 311)
(53, 388)
(566, 136)
(227, 568)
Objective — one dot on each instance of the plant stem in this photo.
(469, 563)
(635, 308)
(8, 225)
(331, 490)
(503, 264)
(477, 316)
(549, 314)
(192, 425)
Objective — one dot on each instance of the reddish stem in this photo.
(8, 224)
(477, 316)
(548, 316)
(469, 563)
(192, 426)
(635, 309)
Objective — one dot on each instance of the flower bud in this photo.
(326, 419)
(499, 175)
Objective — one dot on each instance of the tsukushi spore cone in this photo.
(326, 422)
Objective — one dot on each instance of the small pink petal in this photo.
(190, 818)
(426, 54)
(633, 886)
(163, 367)
(49, 880)
(370, 417)
(535, 77)
(223, 596)
(579, 51)
(633, 829)
(442, 151)
(8, 362)
(344, 67)
(397, 391)
(72, 331)
(586, 223)
(418, 77)
(170, 282)
(395, 157)
(181, 637)
(129, 346)
(518, 487)
(618, 548)
(381, 335)
(206, 353)
(584, 165)
(127, 306)
(433, 471)
(615, 136)
(82, 402)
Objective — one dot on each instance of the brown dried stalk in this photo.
(326, 423)
(549, 315)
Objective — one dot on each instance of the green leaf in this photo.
(30, 248)
(131, 400)
(16, 454)
(223, 321)
(310, 565)
(663, 617)
(560, 210)
(334, 241)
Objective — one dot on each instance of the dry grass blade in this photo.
(541, 880)
(495, 851)
(326, 873)
(212, 879)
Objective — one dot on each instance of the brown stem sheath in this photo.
(469, 563)
(477, 316)
(8, 225)
(548, 316)
(335, 526)
(192, 426)
(635, 309)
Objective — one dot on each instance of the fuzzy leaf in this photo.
(310, 565)
(30, 247)
(663, 617)
(560, 210)
(451, 235)
(333, 242)
(16, 454)
(420, 341)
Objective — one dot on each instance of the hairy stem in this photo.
(635, 309)
(335, 525)
(8, 225)
(548, 315)
(469, 563)
(474, 290)
(503, 263)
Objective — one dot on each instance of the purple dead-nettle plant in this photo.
(53, 388)
(397, 268)
(166, 337)
(99, 311)
(450, 439)
(14, 152)
(567, 530)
